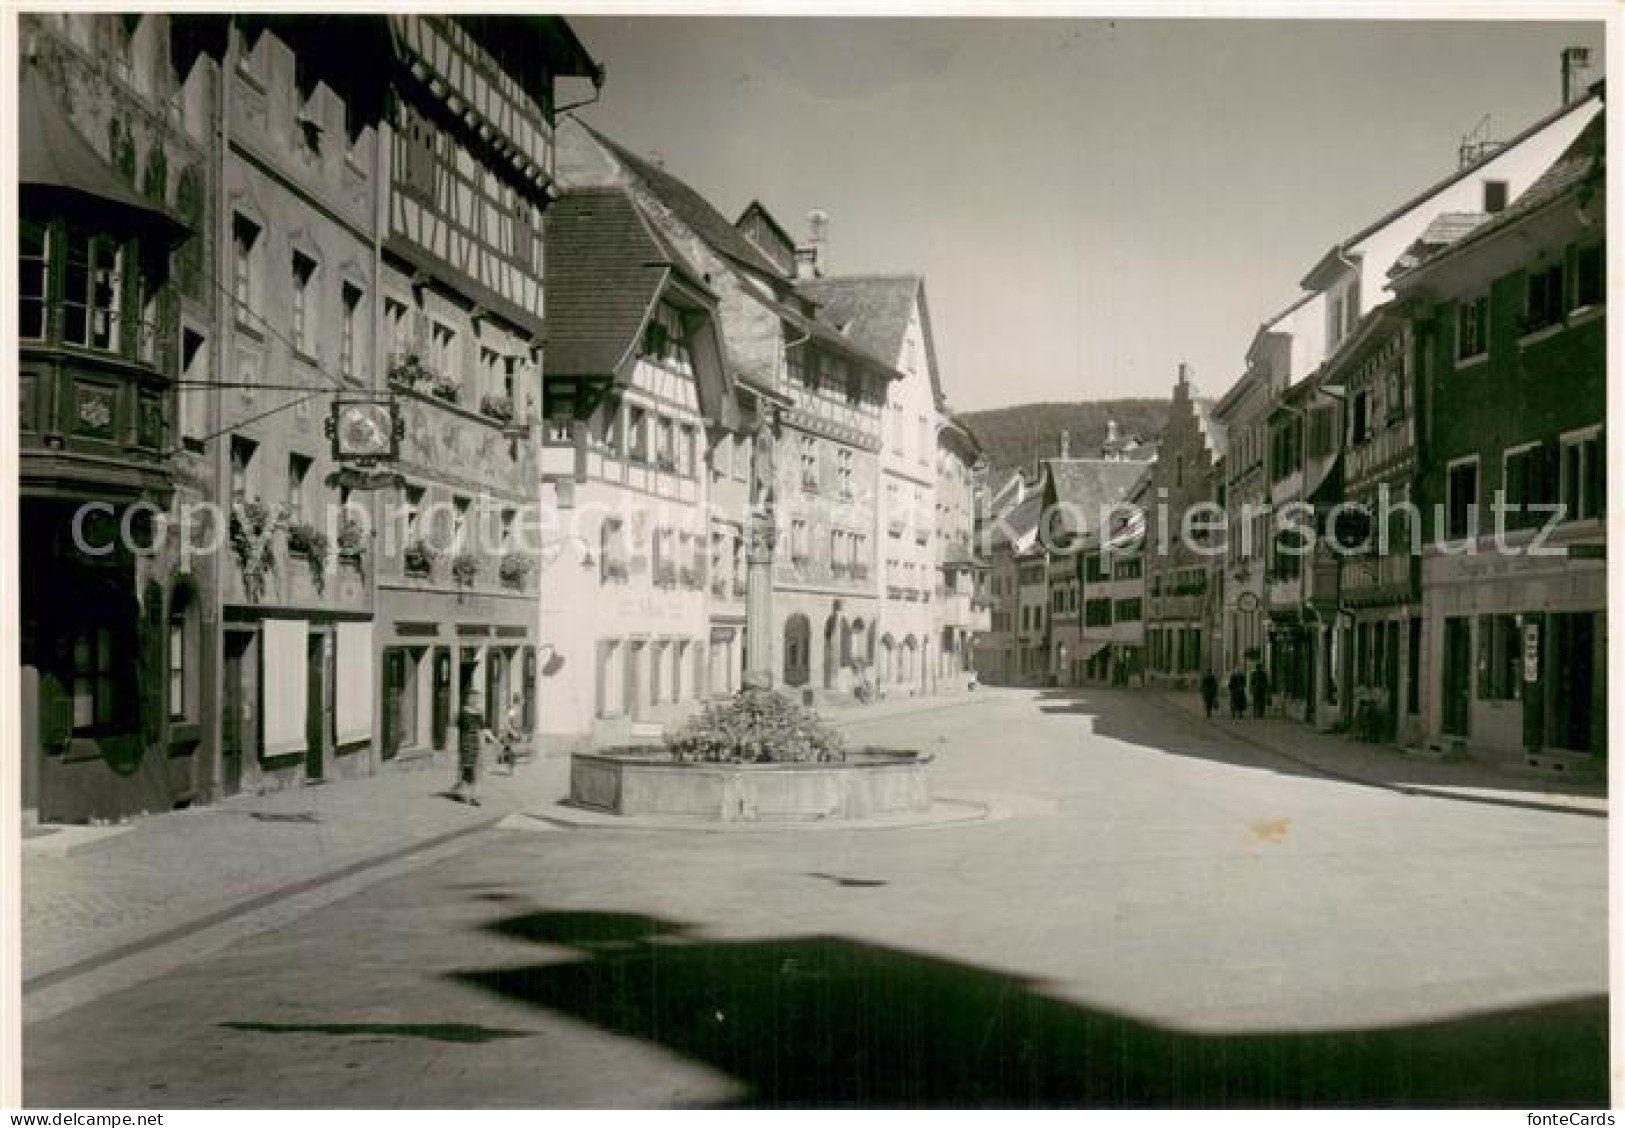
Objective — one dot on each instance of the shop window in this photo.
(1500, 657)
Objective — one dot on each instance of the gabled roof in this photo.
(606, 269)
(757, 211)
(1085, 487)
(1020, 520)
(875, 310)
(1210, 426)
(1316, 272)
(693, 209)
(1579, 170)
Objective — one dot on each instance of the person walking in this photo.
(513, 734)
(1260, 690)
(472, 733)
(1210, 693)
(1238, 694)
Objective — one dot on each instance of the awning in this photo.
(56, 164)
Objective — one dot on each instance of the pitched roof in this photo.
(875, 310)
(1087, 486)
(693, 209)
(1579, 170)
(1426, 194)
(1020, 519)
(756, 210)
(606, 269)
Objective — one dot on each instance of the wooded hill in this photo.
(1016, 435)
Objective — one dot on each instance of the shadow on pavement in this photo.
(827, 1021)
(1125, 716)
(434, 1031)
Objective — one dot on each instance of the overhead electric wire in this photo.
(339, 385)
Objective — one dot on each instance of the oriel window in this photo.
(33, 279)
(93, 291)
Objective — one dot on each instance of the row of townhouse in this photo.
(1059, 538)
(1397, 511)
(354, 379)
(751, 460)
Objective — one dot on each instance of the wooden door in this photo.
(315, 705)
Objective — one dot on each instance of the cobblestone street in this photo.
(1153, 912)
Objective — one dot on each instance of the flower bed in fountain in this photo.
(757, 757)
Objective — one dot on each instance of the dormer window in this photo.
(1495, 196)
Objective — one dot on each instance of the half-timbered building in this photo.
(634, 371)
(469, 148)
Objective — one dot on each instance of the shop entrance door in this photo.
(1458, 666)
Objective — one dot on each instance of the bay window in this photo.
(33, 280)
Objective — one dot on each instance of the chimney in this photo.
(1066, 443)
(810, 255)
(1184, 374)
(1576, 73)
(1111, 430)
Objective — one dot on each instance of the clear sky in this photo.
(1090, 201)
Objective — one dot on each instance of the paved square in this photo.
(1169, 916)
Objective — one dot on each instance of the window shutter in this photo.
(1484, 631)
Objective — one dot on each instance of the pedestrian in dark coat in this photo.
(1260, 690)
(472, 733)
(1210, 693)
(1238, 694)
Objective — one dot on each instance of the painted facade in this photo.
(115, 308)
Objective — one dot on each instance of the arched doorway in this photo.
(905, 675)
(846, 644)
(887, 652)
(797, 650)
